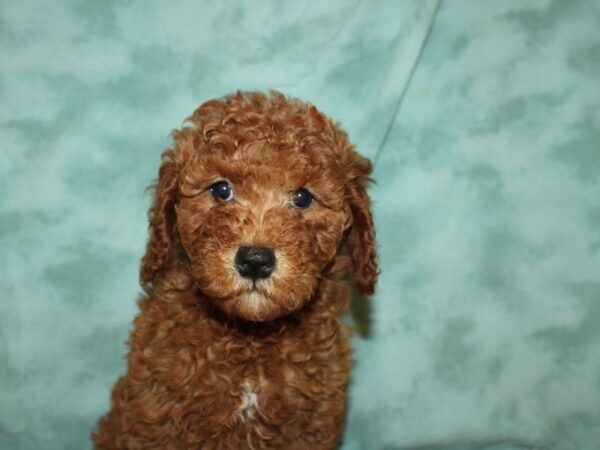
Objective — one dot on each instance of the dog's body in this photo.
(239, 342)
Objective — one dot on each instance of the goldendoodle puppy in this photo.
(259, 207)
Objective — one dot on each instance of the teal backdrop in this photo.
(483, 120)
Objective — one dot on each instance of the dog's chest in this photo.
(247, 405)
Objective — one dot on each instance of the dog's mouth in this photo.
(258, 292)
(260, 299)
(257, 301)
(251, 304)
(260, 287)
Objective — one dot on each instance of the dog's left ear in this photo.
(360, 240)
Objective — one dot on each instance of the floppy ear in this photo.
(162, 219)
(360, 241)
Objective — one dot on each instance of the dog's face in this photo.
(262, 195)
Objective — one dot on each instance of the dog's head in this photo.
(264, 196)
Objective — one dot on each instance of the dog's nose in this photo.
(255, 262)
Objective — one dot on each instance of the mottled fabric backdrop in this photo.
(483, 120)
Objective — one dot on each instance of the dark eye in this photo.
(222, 191)
(301, 198)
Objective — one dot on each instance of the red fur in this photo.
(212, 365)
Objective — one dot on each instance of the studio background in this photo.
(483, 120)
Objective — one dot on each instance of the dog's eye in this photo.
(222, 191)
(301, 198)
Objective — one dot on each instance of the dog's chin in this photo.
(256, 306)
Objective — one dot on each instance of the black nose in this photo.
(255, 262)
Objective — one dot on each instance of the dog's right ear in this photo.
(162, 219)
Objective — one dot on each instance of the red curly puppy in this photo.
(239, 345)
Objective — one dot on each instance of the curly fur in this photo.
(214, 363)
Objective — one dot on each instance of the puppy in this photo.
(259, 207)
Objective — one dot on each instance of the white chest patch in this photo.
(248, 402)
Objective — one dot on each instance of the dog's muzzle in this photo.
(255, 262)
